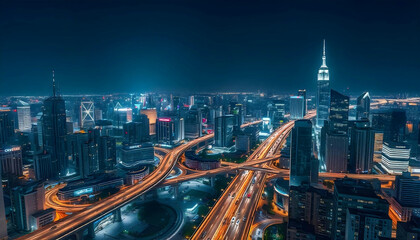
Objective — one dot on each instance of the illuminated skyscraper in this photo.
(223, 131)
(11, 161)
(87, 114)
(170, 130)
(302, 93)
(297, 107)
(193, 126)
(323, 94)
(395, 157)
(339, 112)
(24, 116)
(54, 130)
(363, 106)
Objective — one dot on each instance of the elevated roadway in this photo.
(222, 215)
(81, 220)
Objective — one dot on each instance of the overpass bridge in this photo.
(73, 226)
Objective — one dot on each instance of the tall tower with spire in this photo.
(323, 93)
(54, 131)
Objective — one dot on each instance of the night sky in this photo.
(126, 46)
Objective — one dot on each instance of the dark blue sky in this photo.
(126, 46)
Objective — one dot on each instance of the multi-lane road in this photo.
(247, 207)
(226, 217)
(82, 219)
(241, 186)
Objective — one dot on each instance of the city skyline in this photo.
(209, 120)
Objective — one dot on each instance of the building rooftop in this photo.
(357, 187)
(369, 213)
(91, 180)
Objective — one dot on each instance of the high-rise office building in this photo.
(137, 132)
(395, 129)
(302, 93)
(392, 123)
(6, 127)
(27, 200)
(339, 112)
(193, 123)
(122, 115)
(54, 130)
(323, 93)
(362, 142)
(24, 116)
(152, 116)
(11, 161)
(395, 157)
(107, 154)
(407, 189)
(297, 107)
(82, 153)
(363, 106)
(3, 224)
(336, 152)
(223, 131)
(353, 194)
(170, 129)
(276, 112)
(314, 206)
(367, 224)
(42, 166)
(301, 153)
(87, 115)
(247, 139)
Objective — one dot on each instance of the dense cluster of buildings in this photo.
(100, 143)
(360, 140)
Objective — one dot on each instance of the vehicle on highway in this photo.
(237, 202)
(237, 222)
(253, 180)
(233, 220)
(244, 219)
(248, 195)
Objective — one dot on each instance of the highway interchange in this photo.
(235, 202)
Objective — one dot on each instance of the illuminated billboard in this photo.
(11, 149)
(164, 119)
(83, 191)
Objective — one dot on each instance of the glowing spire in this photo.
(53, 82)
(324, 58)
